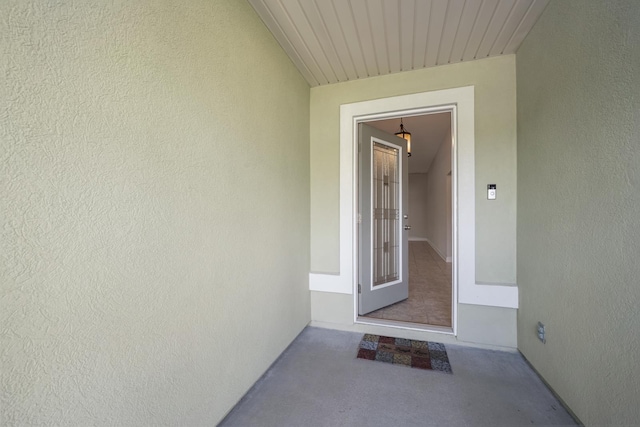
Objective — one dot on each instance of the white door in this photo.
(382, 216)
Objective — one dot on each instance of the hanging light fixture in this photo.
(405, 135)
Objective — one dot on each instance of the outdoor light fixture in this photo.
(405, 135)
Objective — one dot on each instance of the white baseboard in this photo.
(425, 239)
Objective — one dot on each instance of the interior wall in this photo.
(417, 193)
(155, 210)
(495, 139)
(436, 198)
(428, 200)
(578, 201)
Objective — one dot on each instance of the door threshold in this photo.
(446, 330)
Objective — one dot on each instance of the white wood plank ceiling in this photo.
(333, 41)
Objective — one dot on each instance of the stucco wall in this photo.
(155, 210)
(578, 202)
(495, 138)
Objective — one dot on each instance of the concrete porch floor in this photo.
(318, 381)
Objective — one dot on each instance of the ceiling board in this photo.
(406, 29)
(332, 41)
(497, 23)
(480, 27)
(392, 35)
(517, 13)
(420, 33)
(437, 19)
(469, 14)
(324, 41)
(338, 43)
(450, 30)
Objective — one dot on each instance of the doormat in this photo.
(400, 351)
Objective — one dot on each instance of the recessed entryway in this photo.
(460, 101)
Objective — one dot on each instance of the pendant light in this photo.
(405, 135)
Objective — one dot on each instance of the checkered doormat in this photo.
(400, 351)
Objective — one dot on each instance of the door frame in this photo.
(461, 102)
(411, 112)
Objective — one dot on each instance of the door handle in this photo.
(407, 227)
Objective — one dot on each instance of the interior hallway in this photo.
(319, 382)
(430, 293)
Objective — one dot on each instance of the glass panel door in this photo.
(386, 214)
(383, 268)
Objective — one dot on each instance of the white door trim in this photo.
(466, 290)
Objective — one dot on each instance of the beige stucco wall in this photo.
(154, 213)
(495, 125)
(578, 202)
(478, 325)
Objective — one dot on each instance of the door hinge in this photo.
(359, 288)
(359, 218)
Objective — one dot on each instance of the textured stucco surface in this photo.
(481, 325)
(578, 201)
(495, 139)
(154, 212)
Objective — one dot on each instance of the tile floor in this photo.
(429, 299)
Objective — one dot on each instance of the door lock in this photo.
(407, 227)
